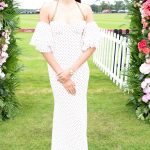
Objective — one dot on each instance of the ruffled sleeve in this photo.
(91, 36)
(42, 37)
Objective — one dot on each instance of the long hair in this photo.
(78, 1)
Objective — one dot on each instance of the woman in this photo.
(67, 36)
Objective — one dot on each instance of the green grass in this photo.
(28, 21)
(108, 21)
(111, 124)
(112, 21)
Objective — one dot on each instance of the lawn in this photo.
(111, 124)
(108, 21)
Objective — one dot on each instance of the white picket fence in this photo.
(113, 56)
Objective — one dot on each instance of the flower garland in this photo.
(144, 47)
(4, 42)
(138, 74)
(9, 66)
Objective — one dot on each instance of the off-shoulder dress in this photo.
(67, 42)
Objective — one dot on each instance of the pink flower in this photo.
(142, 44)
(5, 47)
(146, 8)
(146, 50)
(147, 80)
(142, 21)
(145, 98)
(147, 17)
(145, 24)
(145, 83)
(4, 55)
(149, 35)
(146, 90)
(3, 5)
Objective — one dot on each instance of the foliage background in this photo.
(8, 101)
(135, 77)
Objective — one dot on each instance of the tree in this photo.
(105, 5)
(119, 5)
(95, 8)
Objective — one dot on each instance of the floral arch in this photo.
(139, 70)
(9, 53)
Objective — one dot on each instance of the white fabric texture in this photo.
(91, 36)
(69, 129)
(42, 37)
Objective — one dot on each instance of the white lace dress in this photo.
(67, 42)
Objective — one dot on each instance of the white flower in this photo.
(6, 30)
(1, 8)
(143, 84)
(145, 68)
(4, 54)
(6, 5)
(141, 10)
(2, 61)
(139, 5)
(5, 47)
(8, 38)
(149, 105)
(7, 41)
(1, 26)
(3, 58)
(2, 75)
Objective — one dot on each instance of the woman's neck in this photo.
(66, 1)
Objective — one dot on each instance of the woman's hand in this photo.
(63, 76)
(70, 86)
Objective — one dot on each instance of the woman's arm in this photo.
(44, 17)
(85, 56)
(42, 39)
(65, 75)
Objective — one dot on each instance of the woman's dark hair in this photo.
(78, 1)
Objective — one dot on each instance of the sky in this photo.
(36, 4)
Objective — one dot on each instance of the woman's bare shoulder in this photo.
(46, 11)
(87, 10)
(85, 7)
(48, 6)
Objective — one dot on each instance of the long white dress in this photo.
(67, 42)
